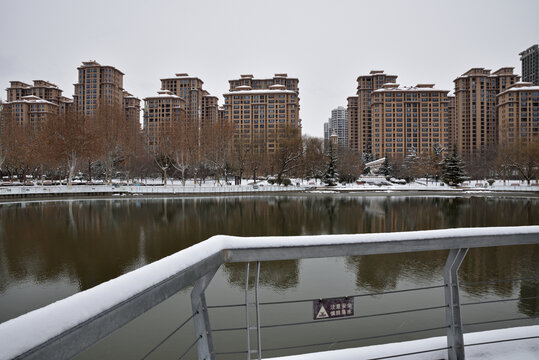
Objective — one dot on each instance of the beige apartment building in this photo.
(408, 117)
(97, 84)
(518, 114)
(198, 102)
(476, 117)
(359, 118)
(210, 109)
(160, 113)
(131, 108)
(30, 110)
(42, 89)
(261, 110)
(452, 127)
(34, 104)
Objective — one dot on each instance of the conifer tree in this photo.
(453, 169)
(331, 176)
(385, 168)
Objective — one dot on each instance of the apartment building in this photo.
(408, 117)
(518, 114)
(34, 104)
(210, 109)
(198, 103)
(30, 110)
(42, 89)
(262, 110)
(359, 110)
(161, 112)
(452, 124)
(530, 65)
(131, 108)
(475, 101)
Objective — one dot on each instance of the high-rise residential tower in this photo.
(262, 110)
(476, 118)
(518, 115)
(200, 107)
(161, 113)
(359, 119)
(34, 104)
(530, 65)
(409, 117)
(97, 85)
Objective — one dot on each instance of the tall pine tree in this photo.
(453, 169)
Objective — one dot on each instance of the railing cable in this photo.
(353, 317)
(410, 353)
(496, 281)
(357, 295)
(356, 339)
(169, 335)
(190, 347)
(503, 320)
(500, 341)
(500, 300)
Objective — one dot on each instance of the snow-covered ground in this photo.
(372, 183)
(519, 349)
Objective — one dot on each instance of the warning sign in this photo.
(332, 308)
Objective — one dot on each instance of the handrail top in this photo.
(30, 330)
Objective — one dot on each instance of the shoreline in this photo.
(249, 192)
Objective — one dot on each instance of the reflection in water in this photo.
(279, 275)
(87, 242)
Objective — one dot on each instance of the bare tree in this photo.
(349, 164)
(66, 139)
(314, 160)
(524, 158)
(287, 156)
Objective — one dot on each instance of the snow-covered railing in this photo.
(67, 327)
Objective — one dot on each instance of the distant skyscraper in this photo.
(338, 124)
(326, 132)
(530, 65)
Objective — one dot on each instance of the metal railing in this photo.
(64, 343)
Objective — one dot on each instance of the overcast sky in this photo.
(326, 44)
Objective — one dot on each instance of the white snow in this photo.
(520, 349)
(29, 330)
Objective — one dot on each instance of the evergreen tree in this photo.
(331, 175)
(385, 169)
(453, 169)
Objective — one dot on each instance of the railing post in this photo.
(455, 340)
(202, 319)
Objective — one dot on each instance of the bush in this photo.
(271, 181)
(490, 181)
(287, 182)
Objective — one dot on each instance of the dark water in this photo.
(50, 250)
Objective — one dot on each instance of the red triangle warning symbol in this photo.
(322, 313)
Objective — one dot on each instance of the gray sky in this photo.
(326, 44)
